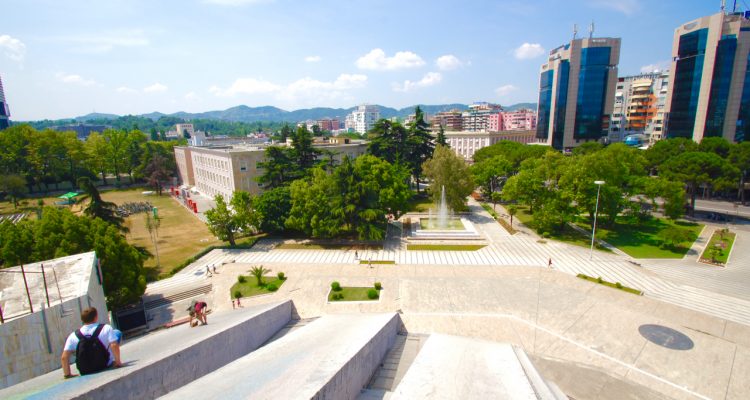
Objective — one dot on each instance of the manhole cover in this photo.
(666, 337)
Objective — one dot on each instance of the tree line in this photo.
(557, 187)
(40, 161)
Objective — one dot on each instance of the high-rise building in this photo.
(639, 106)
(476, 119)
(4, 110)
(576, 92)
(363, 118)
(708, 82)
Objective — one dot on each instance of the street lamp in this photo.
(596, 211)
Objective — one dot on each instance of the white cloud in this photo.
(103, 42)
(155, 88)
(377, 60)
(529, 50)
(13, 48)
(448, 62)
(74, 79)
(236, 3)
(312, 59)
(430, 79)
(192, 96)
(505, 90)
(655, 67)
(245, 86)
(627, 7)
(125, 89)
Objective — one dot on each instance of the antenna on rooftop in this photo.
(723, 4)
(591, 30)
(575, 31)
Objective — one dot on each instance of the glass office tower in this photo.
(709, 93)
(4, 110)
(576, 92)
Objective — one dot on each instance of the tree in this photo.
(674, 236)
(716, 145)
(226, 223)
(317, 208)
(97, 207)
(14, 187)
(512, 210)
(664, 150)
(739, 156)
(316, 131)
(116, 150)
(96, 153)
(389, 141)
(489, 172)
(258, 272)
(421, 146)
(273, 207)
(440, 139)
(695, 169)
(157, 172)
(60, 233)
(152, 226)
(302, 152)
(447, 170)
(278, 168)
(286, 131)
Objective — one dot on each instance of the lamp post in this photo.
(596, 212)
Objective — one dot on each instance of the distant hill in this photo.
(244, 113)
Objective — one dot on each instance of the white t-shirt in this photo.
(106, 336)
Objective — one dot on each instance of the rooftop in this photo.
(67, 278)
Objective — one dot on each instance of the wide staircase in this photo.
(261, 352)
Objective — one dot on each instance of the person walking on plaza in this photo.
(549, 263)
(96, 346)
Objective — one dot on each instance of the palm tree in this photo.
(258, 273)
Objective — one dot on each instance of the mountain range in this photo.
(244, 113)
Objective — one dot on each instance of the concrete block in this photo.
(163, 361)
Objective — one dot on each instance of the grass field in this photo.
(642, 239)
(181, 234)
(419, 204)
(445, 247)
(610, 284)
(30, 206)
(725, 245)
(352, 294)
(250, 287)
(329, 246)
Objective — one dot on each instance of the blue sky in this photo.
(68, 58)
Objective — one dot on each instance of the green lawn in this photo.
(445, 247)
(724, 244)
(453, 224)
(642, 239)
(250, 287)
(328, 246)
(377, 262)
(568, 235)
(352, 294)
(420, 204)
(610, 284)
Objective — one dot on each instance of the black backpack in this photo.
(91, 355)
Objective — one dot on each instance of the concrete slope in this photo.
(331, 358)
(451, 367)
(166, 360)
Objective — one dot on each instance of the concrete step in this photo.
(374, 394)
(290, 327)
(397, 361)
(166, 360)
(331, 357)
(451, 367)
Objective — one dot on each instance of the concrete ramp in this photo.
(166, 360)
(451, 367)
(333, 357)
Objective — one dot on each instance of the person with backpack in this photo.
(96, 346)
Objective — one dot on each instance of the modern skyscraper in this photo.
(4, 110)
(708, 82)
(576, 92)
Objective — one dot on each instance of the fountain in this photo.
(443, 225)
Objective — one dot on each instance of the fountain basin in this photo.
(458, 229)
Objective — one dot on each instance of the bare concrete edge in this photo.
(356, 373)
(543, 388)
(161, 376)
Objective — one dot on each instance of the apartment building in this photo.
(476, 119)
(576, 92)
(519, 120)
(363, 118)
(4, 110)
(450, 120)
(708, 80)
(639, 107)
(224, 169)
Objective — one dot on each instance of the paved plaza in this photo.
(587, 338)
